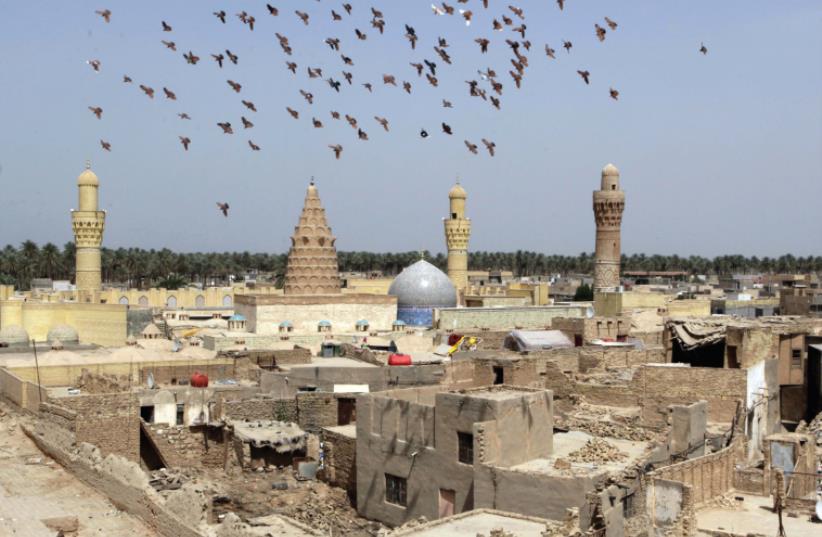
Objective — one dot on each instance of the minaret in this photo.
(609, 202)
(457, 235)
(312, 260)
(88, 224)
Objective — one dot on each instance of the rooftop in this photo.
(478, 521)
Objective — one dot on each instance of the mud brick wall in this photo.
(261, 409)
(109, 421)
(317, 409)
(58, 416)
(186, 447)
(663, 386)
(340, 462)
(708, 476)
(164, 374)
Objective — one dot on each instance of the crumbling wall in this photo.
(316, 410)
(340, 462)
(122, 481)
(173, 374)
(710, 475)
(670, 509)
(109, 421)
(27, 395)
(189, 447)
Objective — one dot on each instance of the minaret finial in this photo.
(88, 164)
(312, 180)
(458, 178)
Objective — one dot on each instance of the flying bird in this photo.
(166, 27)
(315, 72)
(169, 94)
(361, 134)
(360, 35)
(490, 146)
(600, 31)
(303, 16)
(249, 105)
(335, 16)
(471, 147)
(406, 86)
(253, 146)
(447, 104)
(584, 75)
(234, 85)
(95, 64)
(169, 44)
(307, 96)
(337, 148)
(127, 79)
(183, 115)
(191, 58)
(226, 128)
(367, 85)
(273, 11)
(549, 52)
(614, 94)
(220, 15)
(233, 57)
(389, 79)
(702, 48)
(219, 59)
(185, 140)
(561, 4)
(483, 43)
(382, 121)
(611, 24)
(446, 128)
(97, 111)
(567, 45)
(105, 13)
(423, 133)
(317, 123)
(347, 8)
(105, 145)
(246, 123)
(223, 208)
(294, 113)
(148, 91)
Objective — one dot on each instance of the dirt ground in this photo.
(33, 488)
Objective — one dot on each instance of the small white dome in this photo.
(63, 333)
(14, 335)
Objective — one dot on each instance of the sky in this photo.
(718, 153)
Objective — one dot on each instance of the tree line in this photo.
(136, 267)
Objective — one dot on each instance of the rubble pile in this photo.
(597, 450)
(101, 383)
(610, 429)
(165, 479)
(327, 509)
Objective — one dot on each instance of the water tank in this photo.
(399, 359)
(199, 380)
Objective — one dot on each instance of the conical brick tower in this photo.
(312, 261)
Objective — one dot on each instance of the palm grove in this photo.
(135, 267)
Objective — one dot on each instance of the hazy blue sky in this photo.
(719, 153)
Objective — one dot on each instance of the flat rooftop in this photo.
(349, 430)
(754, 515)
(567, 443)
(156, 350)
(329, 362)
(500, 393)
(476, 522)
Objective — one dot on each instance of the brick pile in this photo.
(597, 450)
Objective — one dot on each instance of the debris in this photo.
(597, 450)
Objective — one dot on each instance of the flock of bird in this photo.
(488, 86)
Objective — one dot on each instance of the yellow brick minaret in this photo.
(457, 235)
(88, 224)
(609, 202)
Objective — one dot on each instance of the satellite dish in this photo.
(150, 380)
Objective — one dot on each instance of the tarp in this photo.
(535, 340)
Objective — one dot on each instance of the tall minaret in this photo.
(609, 202)
(457, 234)
(88, 224)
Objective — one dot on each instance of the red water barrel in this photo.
(453, 338)
(399, 359)
(199, 380)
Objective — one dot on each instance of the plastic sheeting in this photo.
(695, 333)
(281, 436)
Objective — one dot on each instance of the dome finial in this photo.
(422, 254)
(312, 181)
(88, 164)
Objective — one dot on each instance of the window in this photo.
(453, 216)
(147, 413)
(759, 312)
(396, 490)
(498, 375)
(181, 412)
(796, 358)
(466, 448)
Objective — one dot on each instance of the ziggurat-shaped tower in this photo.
(88, 224)
(457, 235)
(609, 202)
(312, 260)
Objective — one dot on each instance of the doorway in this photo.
(447, 500)
(346, 410)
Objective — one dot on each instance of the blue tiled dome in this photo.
(419, 289)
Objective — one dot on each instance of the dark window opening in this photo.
(346, 410)
(181, 412)
(466, 448)
(759, 312)
(147, 413)
(307, 389)
(613, 187)
(498, 375)
(628, 506)
(796, 358)
(396, 490)
(577, 340)
(453, 216)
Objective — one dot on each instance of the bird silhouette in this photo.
(97, 111)
(105, 13)
(223, 207)
(226, 128)
(337, 148)
(185, 141)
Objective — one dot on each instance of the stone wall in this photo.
(109, 421)
(27, 395)
(172, 374)
(189, 447)
(316, 410)
(100, 324)
(260, 409)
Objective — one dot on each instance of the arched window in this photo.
(199, 302)
(227, 301)
(124, 301)
(143, 301)
(171, 302)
